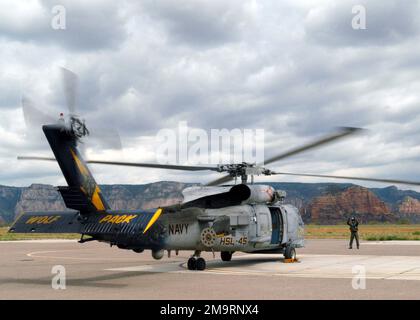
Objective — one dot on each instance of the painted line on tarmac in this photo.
(40, 241)
(44, 255)
(312, 266)
(171, 267)
(41, 254)
(395, 243)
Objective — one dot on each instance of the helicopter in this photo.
(243, 217)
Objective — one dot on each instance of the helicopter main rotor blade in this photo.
(408, 182)
(154, 165)
(221, 180)
(70, 86)
(343, 132)
(131, 164)
(36, 158)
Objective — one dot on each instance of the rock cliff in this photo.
(318, 202)
(333, 208)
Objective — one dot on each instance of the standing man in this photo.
(354, 228)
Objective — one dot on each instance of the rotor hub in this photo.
(77, 127)
(243, 170)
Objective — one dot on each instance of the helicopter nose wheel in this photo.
(196, 263)
(290, 253)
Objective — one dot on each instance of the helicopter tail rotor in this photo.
(103, 138)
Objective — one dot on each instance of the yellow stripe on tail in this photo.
(88, 182)
(153, 220)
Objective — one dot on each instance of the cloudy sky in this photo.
(296, 69)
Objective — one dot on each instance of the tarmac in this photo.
(326, 269)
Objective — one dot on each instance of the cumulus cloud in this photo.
(89, 25)
(293, 68)
(386, 23)
(201, 23)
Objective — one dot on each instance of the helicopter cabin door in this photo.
(277, 225)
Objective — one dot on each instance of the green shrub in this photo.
(403, 221)
(386, 237)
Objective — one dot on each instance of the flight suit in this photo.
(354, 228)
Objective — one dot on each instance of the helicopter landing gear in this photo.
(226, 255)
(196, 262)
(192, 263)
(290, 254)
(200, 264)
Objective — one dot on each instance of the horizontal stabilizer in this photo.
(47, 222)
(75, 199)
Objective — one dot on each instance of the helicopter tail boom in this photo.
(83, 193)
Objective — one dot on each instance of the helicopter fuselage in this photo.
(253, 227)
(243, 217)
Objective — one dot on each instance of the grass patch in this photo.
(4, 236)
(387, 237)
(370, 232)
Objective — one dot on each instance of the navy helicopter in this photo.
(243, 217)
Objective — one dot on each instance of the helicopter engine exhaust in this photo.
(253, 193)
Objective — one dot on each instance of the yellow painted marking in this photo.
(42, 219)
(153, 220)
(106, 218)
(82, 168)
(96, 199)
(117, 219)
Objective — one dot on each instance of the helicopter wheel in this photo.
(201, 264)
(226, 255)
(290, 253)
(192, 263)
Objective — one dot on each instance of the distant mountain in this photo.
(393, 195)
(9, 197)
(326, 203)
(331, 203)
(39, 197)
